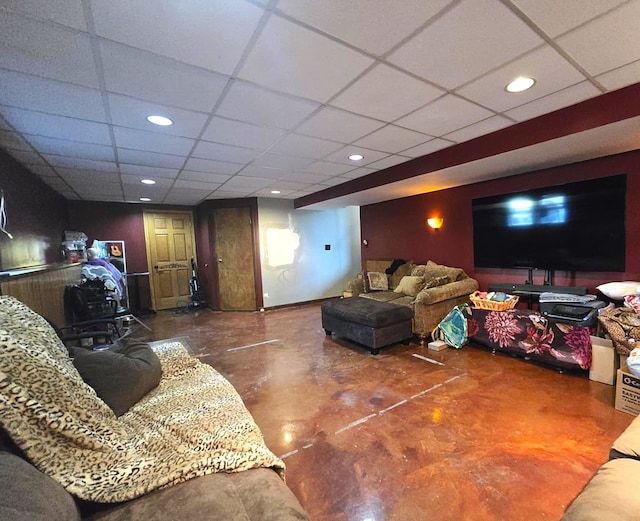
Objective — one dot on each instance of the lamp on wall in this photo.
(435, 222)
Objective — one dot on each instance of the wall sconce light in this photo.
(435, 222)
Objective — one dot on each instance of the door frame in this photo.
(150, 268)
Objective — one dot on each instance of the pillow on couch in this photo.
(377, 281)
(401, 271)
(437, 281)
(121, 375)
(618, 290)
(410, 286)
(433, 270)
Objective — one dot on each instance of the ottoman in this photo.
(368, 322)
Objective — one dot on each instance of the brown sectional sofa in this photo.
(445, 287)
(612, 494)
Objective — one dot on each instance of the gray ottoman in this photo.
(368, 322)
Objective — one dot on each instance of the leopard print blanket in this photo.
(194, 423)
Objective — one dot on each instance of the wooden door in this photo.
(170, 247)
(234, 255)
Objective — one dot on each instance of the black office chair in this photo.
(88, 301)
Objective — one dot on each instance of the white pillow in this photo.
(618, 290)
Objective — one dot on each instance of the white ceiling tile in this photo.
(336, 17)
(338, 125)
(162, 80)
(266, 192)
(376, 94)
(209, 33)
(64, 99)
(302, 177)
(246, 183)
(555, 18)
(132, 113)
(358, 172)
(79, 163)
(388, 162)
(295, 144)
(608, 42)
(148, 171)
(152, 141)
(444, 115)
(282, 161)
(232, 132)
(621, 77)
(46, 50)
(65, 12)
(555, 101)
(186, 196)
(56, 183)
(43, 171)
(207, 177)
(134, 193)
(219, 152)
(62, 147)
(332, 181)
(226, 194)
(342, 156)
(285, 58)
(392, 139)
(186, 183)
(288, 185)
(10, 139)
(73, 129)
(26, 157)
(324, 167)
(212, 166)
(252, 104)
(485, 126)
(466, 42)
(140, 157)
(88, 175)
(427, 148)
(550, 70)
(254, 170)
(135, 180)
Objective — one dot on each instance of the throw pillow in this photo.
(401, 271)
(410, 286)
(121, 375)
(437, 281)
(418, 271)
(377, 281)
(438, 270)
(618, 290)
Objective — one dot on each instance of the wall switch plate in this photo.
(327, 246)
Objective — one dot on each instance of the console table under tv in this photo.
(531, 292)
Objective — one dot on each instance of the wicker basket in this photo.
(492, 305)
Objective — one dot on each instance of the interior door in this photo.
(170, 247)
(234, 251)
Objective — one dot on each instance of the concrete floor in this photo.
(461, 435)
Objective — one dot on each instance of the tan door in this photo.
(234, 251)
(170, 248)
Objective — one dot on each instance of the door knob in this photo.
(219, 260)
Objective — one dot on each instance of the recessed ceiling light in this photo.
(356, 157)
(145, 199)
(159, 120)
(275, 191)
(520, 83)
(147, 181)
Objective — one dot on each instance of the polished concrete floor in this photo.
(410, 434)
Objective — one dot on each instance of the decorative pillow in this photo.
(377, 281)
(618, 290)
(418, 271)
(437, 281)
(438, 270)
(401, 271)
(410, 286)
(121, 375)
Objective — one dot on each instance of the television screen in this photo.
(571, 227)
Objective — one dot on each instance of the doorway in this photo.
(234, 254)
(170, 242)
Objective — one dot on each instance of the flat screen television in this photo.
(570, 227)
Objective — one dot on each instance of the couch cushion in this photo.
(611, 495)
(27, 494)
(257, 494)
(121, 376)
(433, 270)
(410, 286)
(628, 443)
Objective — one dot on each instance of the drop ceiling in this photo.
(275, 95)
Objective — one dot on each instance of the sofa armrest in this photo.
(451, 290)
(356, 286)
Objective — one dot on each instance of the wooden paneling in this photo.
(43, 291)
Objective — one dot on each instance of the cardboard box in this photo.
(437, 345)
(628, 393)
(604, 361)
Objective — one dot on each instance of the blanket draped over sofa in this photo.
(174, 433)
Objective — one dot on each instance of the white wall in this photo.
(314, 272)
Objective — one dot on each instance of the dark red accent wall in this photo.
(398, 229)
(36, 218)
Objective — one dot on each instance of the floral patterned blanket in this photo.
(194, 423)
(529, 334)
